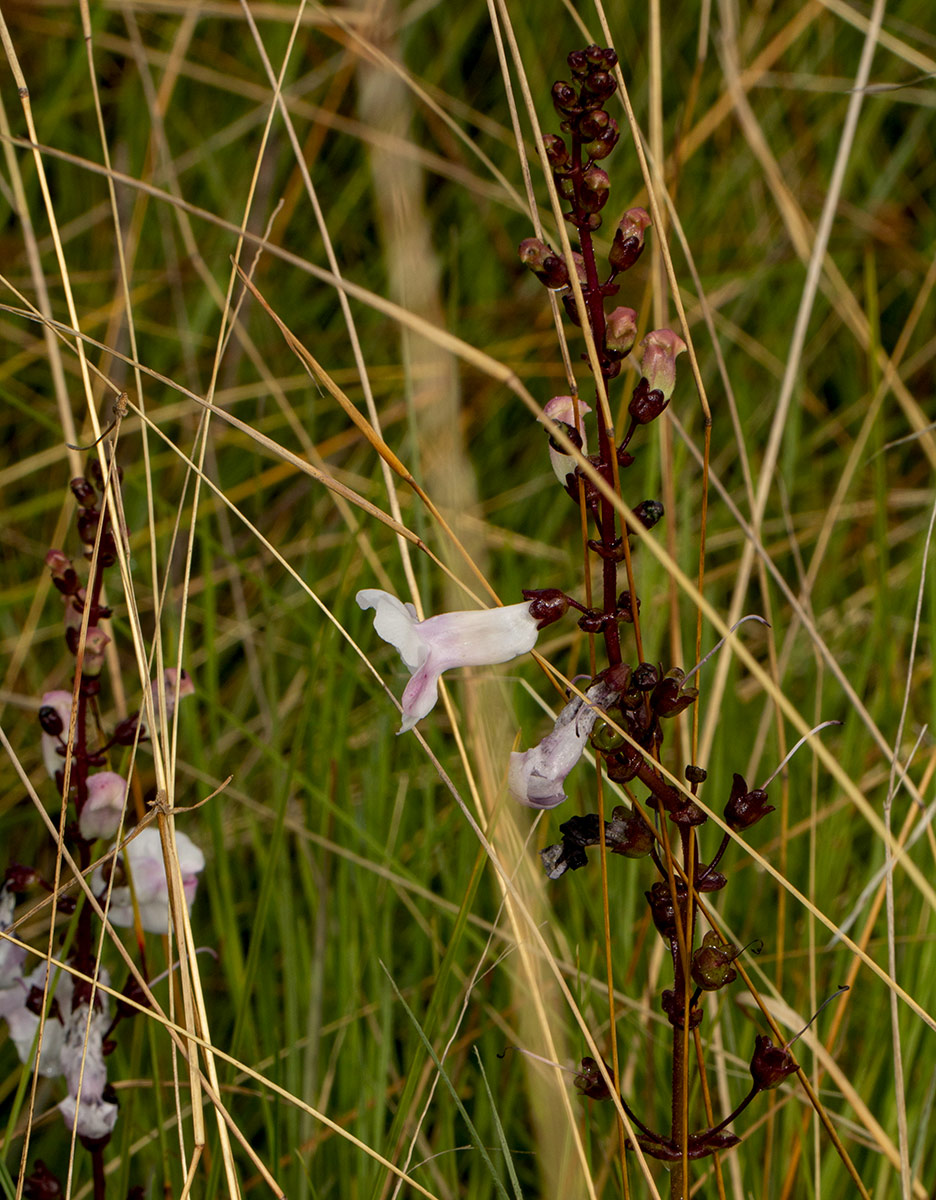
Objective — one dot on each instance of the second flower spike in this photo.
(477, 638)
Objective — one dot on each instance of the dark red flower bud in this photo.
(675, 1008)
(601, 146)
(64, 575)
(646, 404)
(17, 878)
(546, 605)
(592, 124)
(41, 1184)
(662, 910)
(624, 764)
(629, 239)
(83, 493)
(548, 267)
(88, 519)
(596, 187)
(597, 87)
(579, 64)
(565, 99)
(589, 1081)
(696, 774)
(556, 150)
(649, 513)
(625, 609)
(745, 808)
(771, 1064)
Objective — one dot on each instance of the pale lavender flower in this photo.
(535, 776)
(143, 860)
(100, 816)
(570, 412)
(478, 638)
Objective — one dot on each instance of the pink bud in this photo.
(658, 360)
(621, 331)
(102, 810)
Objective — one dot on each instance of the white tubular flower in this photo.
(100, 817)
(478, 638)
(82, 1043)
(61, 703)
(536, 776)
(144, 862)
(572, 413)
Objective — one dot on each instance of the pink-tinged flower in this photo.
(536, 776)
(143, 861)
(478, 638)
(572, 413)
(100, 816)
(658, 360)
(60, 704)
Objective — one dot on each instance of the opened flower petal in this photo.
(477, 638)
(536, 776)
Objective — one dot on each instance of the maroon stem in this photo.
(607, 522)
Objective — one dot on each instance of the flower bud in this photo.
(711, 963)
(95, 644)
(624, 764)
(548, 267)
(662, 910)
(579, 64)
(745, 808)
(646, 405)
(629, 239)
(620, 331)
(595, 189)
(649, 513)
(661, 348)
(593, 124)
(83, 492)
(547, 605)
(556, 150)
(601, 146)
(63, 573)
(771, 1064)
(18, 878)
(565, 99)
(597, 87)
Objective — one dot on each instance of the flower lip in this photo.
(474, 638)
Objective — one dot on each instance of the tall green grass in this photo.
(357, 918)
